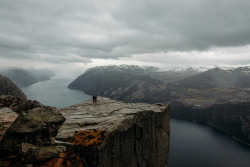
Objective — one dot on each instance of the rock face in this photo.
(7, 87)
(10, 108)
(231, 118)
(130, 134)
(107, 133)
(38, 126)
(7, 117)
(28, 129)
(18, 104)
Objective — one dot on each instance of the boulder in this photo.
(32, 154)
(38, 126)
(7, 117)
(18, 104)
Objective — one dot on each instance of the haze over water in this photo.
(55, 93)
(191, 144)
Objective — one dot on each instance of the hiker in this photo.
(94, 99)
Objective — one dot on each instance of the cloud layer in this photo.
(78, 31)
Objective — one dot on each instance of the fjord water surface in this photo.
(197, 145)
(55, 93)
(191, 144)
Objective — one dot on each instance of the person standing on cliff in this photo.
(94, 99)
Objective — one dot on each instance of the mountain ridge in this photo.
(196, 92)
(22, 77)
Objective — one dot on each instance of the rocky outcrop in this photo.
(231, 118)
(38, 126)
(106, 133)
(7, 117)
(18, 104)
(7, 87)
(124, 134)
(10, 108)
(27, 131)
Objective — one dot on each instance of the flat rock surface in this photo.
(7, 117)
(105, 115)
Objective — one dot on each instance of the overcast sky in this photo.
(76, 34)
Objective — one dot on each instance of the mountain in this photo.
(7, 87)
(151, 84)
(195, 92)
(24, 78)
(106, 79)
(239, 77)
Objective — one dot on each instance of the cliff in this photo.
(7, 87)
(134, 134)
(107, 133)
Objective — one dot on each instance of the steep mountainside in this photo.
(105, 79)
(201, 91)
(136, 84)
(7, 87)
(24, 78)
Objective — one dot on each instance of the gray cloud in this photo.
(62, 31)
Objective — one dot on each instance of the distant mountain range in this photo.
(239, 77)
(208, 97)
(22, 77)
(134, 83)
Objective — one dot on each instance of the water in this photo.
(55, 93)
(196, 145)
(191, 145)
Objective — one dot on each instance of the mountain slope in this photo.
(106, 79)
(218, 78)
(7, 87)
(219, 98)
(23, 77)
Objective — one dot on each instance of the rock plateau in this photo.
(107, 133)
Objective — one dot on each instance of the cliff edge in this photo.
(107, 133)
(129, 134)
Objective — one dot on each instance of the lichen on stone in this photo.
(88, 138)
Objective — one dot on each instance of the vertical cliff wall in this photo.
(134, 134)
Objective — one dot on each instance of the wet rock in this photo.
(38, 126)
